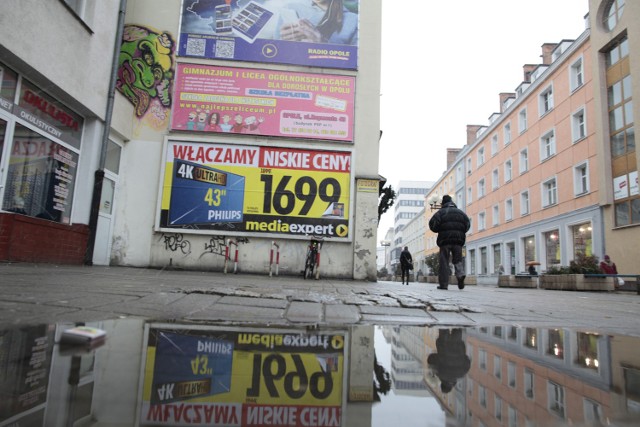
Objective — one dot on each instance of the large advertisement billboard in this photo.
(256, 189)
(263, 102)
(243, 377)
(319, 33)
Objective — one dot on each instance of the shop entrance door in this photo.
(106, 214)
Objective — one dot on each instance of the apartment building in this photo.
(531, 183)
(615, 36)
(410, 201)
(554, 173)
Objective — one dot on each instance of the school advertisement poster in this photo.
(321, 33)
(206, 377)
(263, 102)
(256, 189)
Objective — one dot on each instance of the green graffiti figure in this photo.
(145, 67)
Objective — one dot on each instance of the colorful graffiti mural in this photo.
(146, 68)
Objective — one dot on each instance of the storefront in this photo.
(40, 144)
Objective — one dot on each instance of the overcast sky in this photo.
(444, 64)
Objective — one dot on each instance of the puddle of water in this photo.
(157, 374)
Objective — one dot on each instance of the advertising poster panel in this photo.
(321, 33)
(205, 377)
(256, 189)
(263, 102)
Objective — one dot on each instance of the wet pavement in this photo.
(196, 348)
(46, 293)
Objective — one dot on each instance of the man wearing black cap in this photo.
(451, 224)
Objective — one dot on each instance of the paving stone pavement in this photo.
(38, 293)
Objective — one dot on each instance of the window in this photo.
(612, 14)
(482, 396)
(469, 194)
(528, 383)
(588, 350)
(593, 412)
(484, 265)
(495, 179)
(497, 367)
(549, 193)
(582, 239)
(529, 245)
(497, 261)
(524, 160)
(481, 221)
(494, 145)
(524, 203)
(469, 165)
(531, 338)
(82, 8)
(578, 125)
(43, 157)
(581, 179)
(556, 398)
(545, 101)
(576, 75)
(508, 210)
(481, 188)
(459, 174)
(522, 120)
(482, 359)
(552, 247)
(495, 217)
(555, 345)
(511, 374)
(547, 145)
(480, 156)
(508, 173)
(507, 134)
(513, 417)
(472, 261)
(498, 408)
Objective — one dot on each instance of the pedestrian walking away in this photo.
(451, 362)
(452, 225)
(406, 264)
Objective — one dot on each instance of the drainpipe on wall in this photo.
(99, 173)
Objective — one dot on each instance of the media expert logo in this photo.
(277, 226)
(271, 341)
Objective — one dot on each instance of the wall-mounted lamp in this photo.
(433, 203)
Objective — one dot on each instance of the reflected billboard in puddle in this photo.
(154, 374)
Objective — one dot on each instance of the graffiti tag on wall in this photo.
(146, 69)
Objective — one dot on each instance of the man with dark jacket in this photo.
(406, 264)
(451, 224)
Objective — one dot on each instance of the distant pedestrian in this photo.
(532, 270)
(406, 264)
(607, 266)
(451, 224)
(500, 270)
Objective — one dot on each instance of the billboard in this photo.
(242, 377)
(256, 189)
(298, 32)
(263, 102)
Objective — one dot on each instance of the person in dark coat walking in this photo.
(452, 225)
(451, 362)
(406, 264)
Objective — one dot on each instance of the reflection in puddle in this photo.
(175, 374)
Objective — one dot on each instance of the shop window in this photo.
(588, 350)
(582, 239)
(555, 346)
(41, 177)
(552, 248)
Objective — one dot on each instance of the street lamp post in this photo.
(385, 244)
